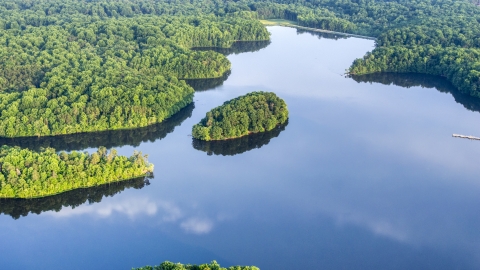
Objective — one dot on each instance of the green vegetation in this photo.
(109, 139)
(66, 71)
(251, 113)
(17, 208)
(75, 66)
(281, 22)
(460, 66)
(178, 266)
(28, 174)
(439, 37)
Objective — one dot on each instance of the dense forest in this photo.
(251, 113)
(209, 266)
(68, 72)
(28, 174)
(238, 145)
(458, 65)
(79, 66)
(17, 208)
(108, 139)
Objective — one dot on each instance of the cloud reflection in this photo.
(381, 227)
(167, 212)
(197, 225)
(130, 208)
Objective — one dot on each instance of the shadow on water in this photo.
(427, 81)
(109, 139)
(238, 47)
(17, 208)
(207, 84)
(321, 35)
(240, 145)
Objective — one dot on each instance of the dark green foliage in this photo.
(109, 139)
(178, 266)
(458, 65)
(251, 113)
(17, 208)
(80, 73)
(76, 66)
(28, 174)
(238, 145)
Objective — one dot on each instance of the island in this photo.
(28, 174)
(252, 113)
(208, 266)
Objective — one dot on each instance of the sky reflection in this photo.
(365, 176)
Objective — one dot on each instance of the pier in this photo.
(466, 137)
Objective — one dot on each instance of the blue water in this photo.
(366, 175)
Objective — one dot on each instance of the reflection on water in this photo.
(239, 145)
(364, 177)
(428, 81)
(17, 208)
(207, 84)
(109, 139)
(238, 47)
(321, 35)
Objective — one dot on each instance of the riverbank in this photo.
(287, 23)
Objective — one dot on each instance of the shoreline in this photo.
(292, 24)
(83, 187)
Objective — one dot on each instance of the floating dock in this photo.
(466, 137)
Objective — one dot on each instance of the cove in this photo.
(365, 175)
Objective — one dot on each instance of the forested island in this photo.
(252, 113)
(208, 266)
(28, 174)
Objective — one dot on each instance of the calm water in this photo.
(366, 175)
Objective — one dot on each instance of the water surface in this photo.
(365, 175)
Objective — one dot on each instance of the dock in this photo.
(466, 137)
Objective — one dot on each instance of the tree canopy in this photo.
(67, 72)
(251, 113)
(75, 66)
(28, 174)
(208, 266)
